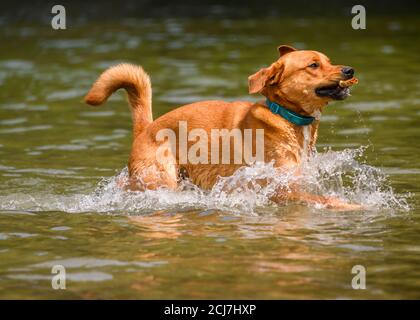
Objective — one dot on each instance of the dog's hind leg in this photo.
(152, 178)
(147, 171)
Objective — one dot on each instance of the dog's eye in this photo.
(314, 65)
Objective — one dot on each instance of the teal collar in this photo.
(290, 116)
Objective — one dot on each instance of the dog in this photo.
(297, 87)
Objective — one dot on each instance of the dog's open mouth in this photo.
(337, 91)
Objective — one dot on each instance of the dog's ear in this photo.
(266, 76)
(285, 49)
(257, 81)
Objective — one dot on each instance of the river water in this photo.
(60, 159)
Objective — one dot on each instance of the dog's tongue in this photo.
(348, 83)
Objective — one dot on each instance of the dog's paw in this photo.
(339, 205)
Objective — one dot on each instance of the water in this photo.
(60, 162)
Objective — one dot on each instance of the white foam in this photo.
(331, 173)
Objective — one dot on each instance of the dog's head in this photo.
(303, 80)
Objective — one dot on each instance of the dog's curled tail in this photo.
(137, 84)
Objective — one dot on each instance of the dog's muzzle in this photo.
(341, 89)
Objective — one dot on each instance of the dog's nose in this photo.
(348, 72)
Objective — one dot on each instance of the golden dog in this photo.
(297, 87)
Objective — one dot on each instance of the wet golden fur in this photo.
(288, 81)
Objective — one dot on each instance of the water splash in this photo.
(340, 174)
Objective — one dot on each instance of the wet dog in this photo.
(297, 87)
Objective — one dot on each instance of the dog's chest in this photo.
(306, 142)
(297, 144)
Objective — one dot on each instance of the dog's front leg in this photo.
(296, 195)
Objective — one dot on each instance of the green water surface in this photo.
(54, 147)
